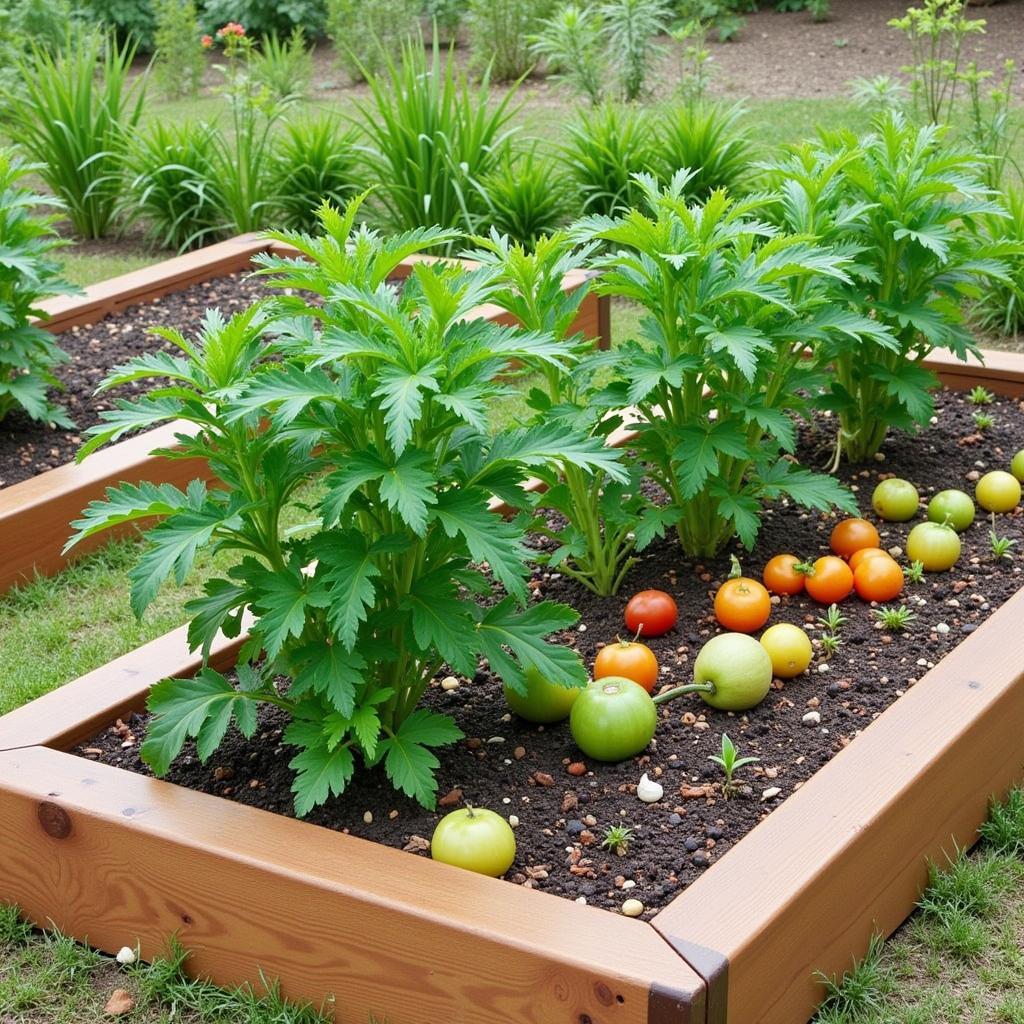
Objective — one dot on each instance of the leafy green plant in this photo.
(709, 141)
(447, 16)
(860, 990)
(695, 61)
(607, 518)
(269, 17)
(284, 66)
(999, 546)
(908, 208)
(1003, 833)
(980, 396)
(79, 110)
(729, 305)
(831, 624)
(369, 34)
(984, 421)
(914, 573)
(432, 140)
(1000, 307)
(936, 32)
(993, 133)
(894, 619)
(169, 183)
(572, 43)
(385, 391)
(28, 272)
(730, 762)
(500, 33)
(631, 27)
(178, 62)
(129, 19)
(878, 93)
(617, 839)
(527, 197)
(605, 151)
(313, 160)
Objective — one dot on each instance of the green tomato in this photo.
(935, 546)
(613, 719)
(998, 491)
(955, 507)
(543, 702)
(475, 839)
(1017, 466)
(739, 669)
(789, 647)
(895, 500)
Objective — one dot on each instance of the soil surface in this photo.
(28, 447)
(564, 803)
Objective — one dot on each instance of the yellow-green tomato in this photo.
(543, 702)
(998, 491)
(895, 500)
(1017, 466)
(934, 545)
(475, 839)
(954, 507)
(613, 719)
(738, 668)
(789, 647)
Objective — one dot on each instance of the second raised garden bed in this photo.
(115, 856)
(35, 511)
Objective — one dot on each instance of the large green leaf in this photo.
(407, 760)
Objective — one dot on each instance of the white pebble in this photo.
(812, 718)
(823, 667)
(496, 739)
(770, 792)
(449, 683)
(581, 899)
(629, 884)
(126, 955)
(581, 628)
(632, 908)
(941, 627)
(513, 820)
(649, 791)
(368, 817)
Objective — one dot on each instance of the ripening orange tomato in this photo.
(742, 605)
(858, 556)
(851, 535)
(781, 575)
(831, 580)
(629, 660)
(878, 579)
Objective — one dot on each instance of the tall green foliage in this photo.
(28, 272)
(369, 34)
(500, 32)
(178, 61)
(80, 108)
(385, 393)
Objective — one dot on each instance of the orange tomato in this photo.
(742, 605)
(878, 579)
(858, 556)
(780, 576)
(629, 660)
(851, 535)
(831, 580)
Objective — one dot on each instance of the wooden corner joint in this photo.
(712, 967)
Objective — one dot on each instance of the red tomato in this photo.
(629, 661)
(781, 576)
(878, 579)
(853, 534)
(859, 556)
(831, 581)
(651, 613)
(742, 605)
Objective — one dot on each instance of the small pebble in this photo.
(770, 793)
(368, 817)
(513, 820)
(649, 791)
(126, 955)
(632, 908)
(629, 884)
(449, 683)
(577, 768)
(812, 718)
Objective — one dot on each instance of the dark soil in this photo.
(524, 770)
(28, 447)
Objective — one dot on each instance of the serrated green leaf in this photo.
(281, 600)
(407, 488)
(359, 468)
(408, 763)
(320, 774)
(366, 726)
(441, 621)
(218, 609)
(347, 570)
(401, 393)
(330, 671)
(741, 342)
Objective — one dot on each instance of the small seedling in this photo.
(830, 643)
(981, 396)
(894, 618)
(833, 620)
(914, 573)
(729, 761)
(1000, 546)
(617, 839)
(983, 421)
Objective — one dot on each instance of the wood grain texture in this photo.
(119, 859)
(846, 855)
(1000, 372)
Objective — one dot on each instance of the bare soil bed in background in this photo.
(529, 771)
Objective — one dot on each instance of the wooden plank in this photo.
(846, 855)
(116, 859)
(999, 371)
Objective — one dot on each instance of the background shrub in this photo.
(28, 273)
(631, 27)
(178, 62)
(499, 34)
(78, 112)
(24, 23)
(128, 19)
(1001, 307)
(283, 66)
(447, 15)
(367, 34)
(572, 43)
(273, 17)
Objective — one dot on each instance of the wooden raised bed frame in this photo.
(116, 858)
(35, 514)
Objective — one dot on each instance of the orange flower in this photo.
(206, 42)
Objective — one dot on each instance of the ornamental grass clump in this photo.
(730, 304)
(382, 392)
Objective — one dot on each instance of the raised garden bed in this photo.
(106, 325)
(115, 856)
